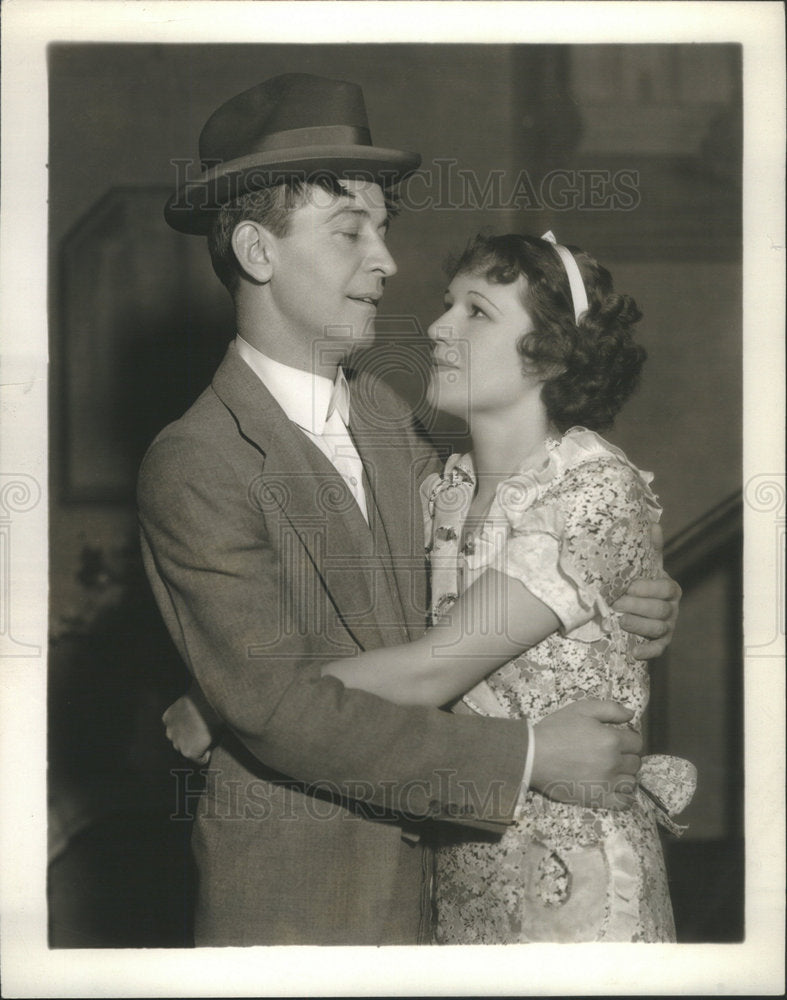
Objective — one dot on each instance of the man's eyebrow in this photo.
(347, 210)
(355, 210)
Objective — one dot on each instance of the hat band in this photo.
(294, 138)
(339, 135)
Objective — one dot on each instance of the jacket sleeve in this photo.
(219, 583)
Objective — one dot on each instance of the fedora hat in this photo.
(294, 125)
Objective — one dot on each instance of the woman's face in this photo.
(477, 367)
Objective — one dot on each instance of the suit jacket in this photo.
(264, 569)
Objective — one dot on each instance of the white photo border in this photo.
(29, 967)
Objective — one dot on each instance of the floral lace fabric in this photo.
(576, 532)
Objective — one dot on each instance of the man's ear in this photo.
(253, 246)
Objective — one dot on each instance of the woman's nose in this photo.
(441, 329)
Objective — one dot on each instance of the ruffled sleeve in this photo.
(539, 557)
(579, 547)
(427, 491)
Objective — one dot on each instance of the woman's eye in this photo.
(475, 312)
(350, 235)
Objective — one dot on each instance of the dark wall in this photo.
(120, 113)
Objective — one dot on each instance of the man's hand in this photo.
(650, 609)
(187, 729)
(581, 758)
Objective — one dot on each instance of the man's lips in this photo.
(369, 300)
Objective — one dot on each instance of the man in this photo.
(281, 530)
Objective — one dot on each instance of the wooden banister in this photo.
(696, 547)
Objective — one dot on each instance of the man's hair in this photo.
(272, 207)
(591, 367)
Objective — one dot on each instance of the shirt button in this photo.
(353, 480)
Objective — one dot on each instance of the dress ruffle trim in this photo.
(623, 890)
(454, 486)
(578, 446)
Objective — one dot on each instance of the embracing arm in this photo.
(219, 584)
(218, 579)
(500, 617)
(579, 755)
(451, 658)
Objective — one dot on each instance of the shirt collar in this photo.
(340, 397)
(307, 399)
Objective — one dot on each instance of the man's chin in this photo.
(355, 331)
(363, 337)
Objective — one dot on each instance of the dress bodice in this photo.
(576, 532)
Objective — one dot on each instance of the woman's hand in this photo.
(192, 727)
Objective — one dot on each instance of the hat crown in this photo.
(292, 127)
(282, 104)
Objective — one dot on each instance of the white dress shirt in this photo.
(319, 407)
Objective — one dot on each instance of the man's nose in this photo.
(381, 260)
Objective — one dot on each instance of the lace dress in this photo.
(577, 532)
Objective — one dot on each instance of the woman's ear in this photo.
(547, 372)
(544, 372)
(253, 247)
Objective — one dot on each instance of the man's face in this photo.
(330, 268)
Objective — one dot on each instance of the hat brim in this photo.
(193, 207)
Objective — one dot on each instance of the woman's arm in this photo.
(494, 620)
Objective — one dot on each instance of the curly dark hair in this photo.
(590, 367)
(272, 206)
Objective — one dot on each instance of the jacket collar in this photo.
(299, 481)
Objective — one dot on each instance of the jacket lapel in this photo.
(394, 479)
(299, 483)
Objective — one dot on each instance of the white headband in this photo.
(579, 296)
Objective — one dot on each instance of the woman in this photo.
(539, 530)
